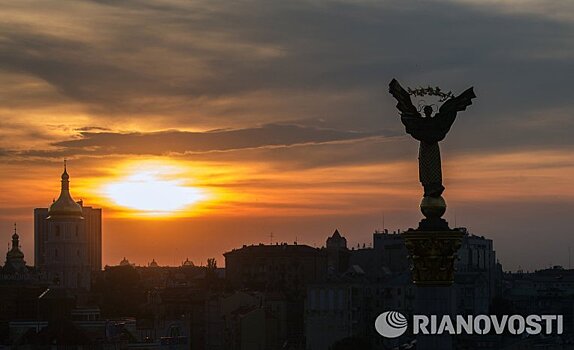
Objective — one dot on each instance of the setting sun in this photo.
(152, 192)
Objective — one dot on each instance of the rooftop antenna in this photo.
(271, 238)
(569, 259)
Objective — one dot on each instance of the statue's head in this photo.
(427, 110)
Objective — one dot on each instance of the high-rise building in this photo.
(93, 229)
(68, 239)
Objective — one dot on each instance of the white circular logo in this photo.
(391, 324)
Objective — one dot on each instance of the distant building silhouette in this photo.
(336, 241)
(15, 275)
(187, 262)
(276, 266)
(281, 296)
(373, 280)
(282, 270)
(337, 253)
(478, 277)
(547, 291)
(15, 263)
(392, 249)
(337, 308)
(68, 239)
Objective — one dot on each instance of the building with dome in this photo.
(16, 275)
(68, 239)
(15, 263)
(126, 262)
(187, 263)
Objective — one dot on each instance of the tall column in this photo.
(434, 300)
(432, 248)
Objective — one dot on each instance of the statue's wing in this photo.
(404, 103)
(414, 123)
(447, 112)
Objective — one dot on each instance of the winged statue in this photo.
(429, 129)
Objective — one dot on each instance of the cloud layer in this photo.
(285, 90)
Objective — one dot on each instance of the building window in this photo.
(56, 254)
(57, 231)
(76, 230)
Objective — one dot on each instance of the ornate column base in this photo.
(433, 254)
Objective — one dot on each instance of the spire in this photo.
(187, 262)
(65, 204)
(15, 239)
(15, 257)
(15, 236)
(125, 262)
(65, 178)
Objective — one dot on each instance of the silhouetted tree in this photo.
(211, 271)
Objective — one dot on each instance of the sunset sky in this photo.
(267, 116)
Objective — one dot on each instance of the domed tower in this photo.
(15, 258)
(125, 262)
(67, 262)
(187, 263)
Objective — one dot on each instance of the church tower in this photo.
(66, 245)
(15, 263)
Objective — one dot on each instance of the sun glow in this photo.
(153, 192)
